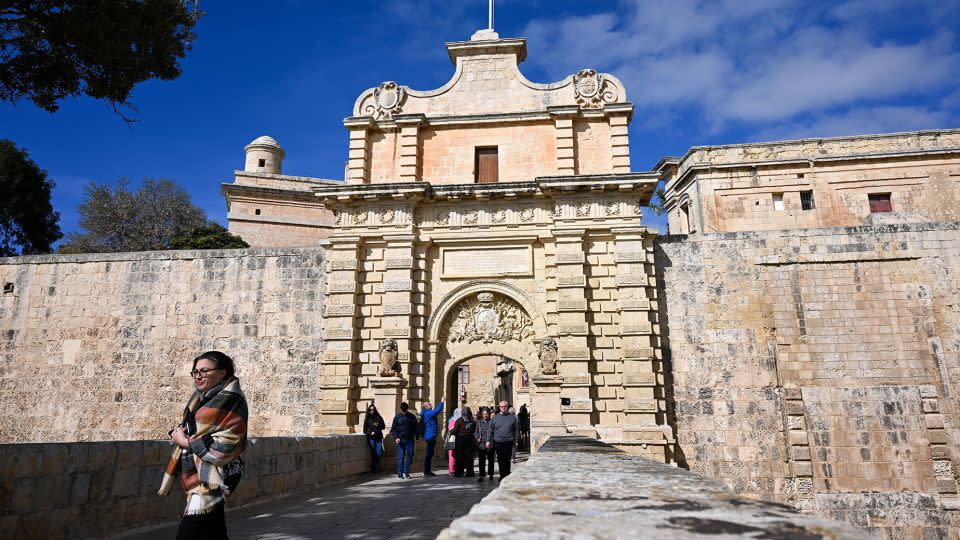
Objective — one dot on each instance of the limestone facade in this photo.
(814, 183)
(819, 367)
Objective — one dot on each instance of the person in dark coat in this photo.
(484, 437)
(404, 433)
(373, 425)
(524, 418)
(464, 430)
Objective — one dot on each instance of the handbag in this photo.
(451, 443)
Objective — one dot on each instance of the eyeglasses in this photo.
(504, 406)
(203, 372)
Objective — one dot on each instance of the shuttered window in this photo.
(486, 169)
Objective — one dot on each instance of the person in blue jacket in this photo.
(430, 431)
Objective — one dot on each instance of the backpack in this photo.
(421, 428)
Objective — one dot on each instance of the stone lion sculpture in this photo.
(389, 366)
(548, 356)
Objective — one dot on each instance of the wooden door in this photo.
(486, 166)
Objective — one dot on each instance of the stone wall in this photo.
(820, 367)
(95, 490)
(577, 487)
(98, 347)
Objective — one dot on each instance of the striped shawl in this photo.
(219, 438)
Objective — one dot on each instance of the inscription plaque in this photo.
(488, 261)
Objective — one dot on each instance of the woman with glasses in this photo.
(209, 440)
(373, 428)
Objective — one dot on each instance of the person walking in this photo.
(451, 457)
(484, 437)
(464, 431)
(524, 418)
(505, 431)
(430, 430)
(209, 441)
(404, 433)
(373, 425)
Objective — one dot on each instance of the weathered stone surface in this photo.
(581, 488)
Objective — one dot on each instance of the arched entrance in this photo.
(485, 380)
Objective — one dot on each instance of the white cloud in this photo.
(761, 64)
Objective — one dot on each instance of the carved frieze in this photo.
(487, 318)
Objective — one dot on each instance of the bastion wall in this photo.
(820, 367)
(98, 347)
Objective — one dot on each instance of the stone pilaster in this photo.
(563, 120)
(358, 161)
(619, 117)
(574, 351)
(408, 164)
(335, 412)
(399, 308)
(643, 383)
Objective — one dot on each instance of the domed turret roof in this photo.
(264, 140)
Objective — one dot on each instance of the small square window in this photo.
(262, 163)
(806, 200)
(463, 375)
(880, 203)
(256, 212)
(778, 201)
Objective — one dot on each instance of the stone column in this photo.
(337, 395)
(619, 116)
(574, 351)
(408, 165)
(358, 163)
(563, 118)
(546, 418)
(643, 377)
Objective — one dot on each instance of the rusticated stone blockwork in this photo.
(97, 347)
(818, 367)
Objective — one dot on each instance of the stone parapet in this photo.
(575, 488)
(96, 490)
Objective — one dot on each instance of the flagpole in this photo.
(490, 25)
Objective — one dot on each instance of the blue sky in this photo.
(698, 72)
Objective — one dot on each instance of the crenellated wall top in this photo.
(488, 81)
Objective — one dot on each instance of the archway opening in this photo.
(486, 379)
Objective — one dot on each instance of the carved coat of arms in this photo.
(487, 319)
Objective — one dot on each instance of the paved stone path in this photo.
(366, 507)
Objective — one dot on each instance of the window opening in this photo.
(806, 200)
(463, 375)
(778, 201)
(7, 288)
(486, 165)
(257, 212)
(262, 163)
(879, 203)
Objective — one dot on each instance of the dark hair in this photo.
(404, 406)
(222, 361)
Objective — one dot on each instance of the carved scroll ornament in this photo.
(592, 89)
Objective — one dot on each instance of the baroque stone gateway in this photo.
(796, 336)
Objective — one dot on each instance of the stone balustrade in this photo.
(577, 487)
(97, 489)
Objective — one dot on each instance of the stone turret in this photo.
(264, 155)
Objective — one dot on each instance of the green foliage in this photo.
(213, 236)
(52, 49)
(28, 223)
(658, 200)
(117, 219)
